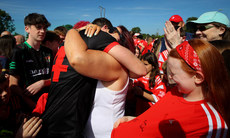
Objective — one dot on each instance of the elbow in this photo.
(76, 61)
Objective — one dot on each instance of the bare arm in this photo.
(129, 60)
(91, 63)
(123, 55)
(37, 86)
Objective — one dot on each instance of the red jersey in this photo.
(173, 116)
(163, 56)
(158, 91)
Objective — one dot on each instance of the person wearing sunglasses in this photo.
(212, 25)
(75, 88)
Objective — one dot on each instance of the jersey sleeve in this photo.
(16, 67)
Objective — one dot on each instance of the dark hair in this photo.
(223, 46)
(126, 39)
(7, 43)
(152, 59)
(51, 36)
(35, 18)
(102, 21)
(61, 30)
(226, 34)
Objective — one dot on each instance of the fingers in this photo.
(35, 127)
(122, 120)
(92, 29)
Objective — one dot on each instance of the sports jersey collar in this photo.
(28, 44)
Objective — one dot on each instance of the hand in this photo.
(34, 88)
(172, 36)
(30, 128)
(92, 29)
(123, 120)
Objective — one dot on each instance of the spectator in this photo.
(197, 107)
(150, 87)
(5, 33)
(52, 41)
(224, 48)
(30, 68)
(61, 31)
(19, 39)
(9, 119)
(212, 25)
(7, 43)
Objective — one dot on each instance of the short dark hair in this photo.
(51, 36)
(35, 18)
(102, 21)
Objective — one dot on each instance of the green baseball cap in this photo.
(213, 16)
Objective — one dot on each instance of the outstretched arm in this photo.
(92, 63)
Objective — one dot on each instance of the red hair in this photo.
(216, 84)
(80, 24)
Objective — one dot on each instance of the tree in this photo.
(136, 30)
(6, 22)
(68, 26)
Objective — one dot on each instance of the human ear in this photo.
(199, 77)
(27, 28)
(222, 30)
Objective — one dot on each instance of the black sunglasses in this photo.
(114, 30)
(203, 27)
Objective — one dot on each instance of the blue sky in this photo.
(149, 15)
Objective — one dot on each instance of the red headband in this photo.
(189, 55)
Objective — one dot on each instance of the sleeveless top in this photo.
(108, 106)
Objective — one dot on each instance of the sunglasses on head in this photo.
(203, 27)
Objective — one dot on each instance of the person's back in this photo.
(69, 85)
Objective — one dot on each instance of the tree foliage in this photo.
(136, 30)
(68, 26)
(6, 22)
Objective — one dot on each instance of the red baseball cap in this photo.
(176, 18)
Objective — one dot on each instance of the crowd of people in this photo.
(100, 81)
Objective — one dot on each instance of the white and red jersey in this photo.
(163, 56)
(173, 116)
(158, 91)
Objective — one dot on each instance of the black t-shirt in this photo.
(31, 65)
(71, 94)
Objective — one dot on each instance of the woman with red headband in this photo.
(197, 107)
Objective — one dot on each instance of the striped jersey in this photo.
(173, 116)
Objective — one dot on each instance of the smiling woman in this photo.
(213, 26)
(196, 107)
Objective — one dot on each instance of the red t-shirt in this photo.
(173, 116)
(158, 91)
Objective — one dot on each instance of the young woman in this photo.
(149, 86)
(197, 107)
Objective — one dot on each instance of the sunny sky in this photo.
(149, 15)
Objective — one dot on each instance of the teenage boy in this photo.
(30, 68)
